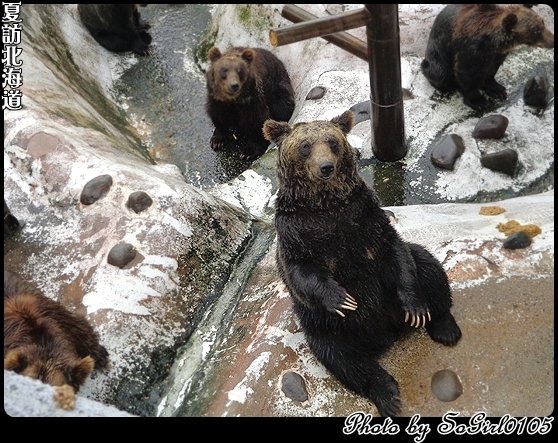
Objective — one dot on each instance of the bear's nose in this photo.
(326, 169)
(234, 87)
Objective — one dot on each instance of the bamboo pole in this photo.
(386, 100)
(318, 27)
(343, 40)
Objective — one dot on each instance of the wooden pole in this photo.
(318, 27)
(386, 100)
(343, 40)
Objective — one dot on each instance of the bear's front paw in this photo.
(217, 142)
(478, 103)
(342, 300)
(496, 91)
(417, 315)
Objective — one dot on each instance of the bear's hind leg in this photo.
(433, 282)
(113, 42)
(364, 376)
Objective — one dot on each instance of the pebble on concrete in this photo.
(121, 254)
(517, 241)
(491, 126)
(139, 201)
(445, 385)
(446, 152)
(95, 189)
(316, 93)
(294, 386)
(503, 161)
(535, 92)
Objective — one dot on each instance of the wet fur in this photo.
(468, 44)
(265, 92)
(118, 28)
(333, 239)
(44, 340)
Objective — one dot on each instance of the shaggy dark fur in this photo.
(117, 28)
(354, 282)
(43, 340)
(469, 43)
(246, 86)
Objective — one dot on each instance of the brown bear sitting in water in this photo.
(354, 282)
(117, 28)
(246, 86)
(43, 340)
(469, 43)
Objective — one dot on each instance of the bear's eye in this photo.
(305, 149)
(240, 73)
(333, 145)
(223, 73)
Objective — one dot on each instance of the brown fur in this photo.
(510, 25)
(43, 340)
(310, 145)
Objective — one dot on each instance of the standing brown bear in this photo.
(43, 340)
(245, 87)
(469, 43)
(354, 282)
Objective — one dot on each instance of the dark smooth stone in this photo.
(316, 93)
(491, 126)
(95, 189)
(121, 254)
(11, 224)
(517, 241)
(361, 111)
(294, 386)
(504, 161)
(139, 201)
(447, 151)
(535, 92)
(445, 385)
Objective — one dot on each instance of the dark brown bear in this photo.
(117, 28)
(354, 282)
(246, 86)
(44, 340)
(469, 43)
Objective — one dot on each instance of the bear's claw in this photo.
(348, 303)
(416, 318)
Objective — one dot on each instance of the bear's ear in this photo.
(275, 131)
(509, 22)
(15, 360)
(248, 55)
(213, 54)
(81, 370)
(345, 121)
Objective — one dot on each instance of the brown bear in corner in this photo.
(118, 28)
(469, 43)
(356, 286)
(246, 86)
(43, 340)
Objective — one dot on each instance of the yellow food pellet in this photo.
(513, 226)
(491, 210)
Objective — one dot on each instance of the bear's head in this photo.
(49, 365)
(314, 158)
(228, 73)
(523, 26)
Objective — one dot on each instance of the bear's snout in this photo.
(326, 169)
(234, 87)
